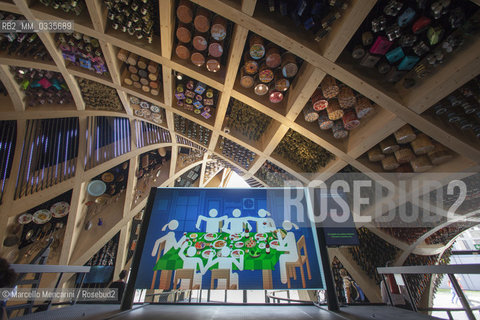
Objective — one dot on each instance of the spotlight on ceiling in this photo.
(179, 76)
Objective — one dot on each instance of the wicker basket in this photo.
(329, 87)
(346, 97)
(334, 111)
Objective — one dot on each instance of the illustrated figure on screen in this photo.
(264, 224)
(289, 246)
(236, 224)
(190, 262)
(225, 265)
(168, 241)
(213, 223)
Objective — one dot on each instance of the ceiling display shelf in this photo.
(99, 96)
(63, 10)
(147, 134)
(107, 138)
(408, 150)
(184, 141)
(187, 156)
(153, 169)
(303, 152)
(49, 154)
(459, 113)
(141, 74)
(266, 72)
(34, 229)
(273, 175)
(103, 263)
(82, 52)
(420, 282)
(212, 168)
(202, 38)
(313, 18)
(192, 130)
(246, 123)
(8, 137)
(42, 87)
(104, 190)
(189, 178)
(138, 19)
(235, 152)
(196, 99)
(22, 45)
(405, 42)
(147, 111)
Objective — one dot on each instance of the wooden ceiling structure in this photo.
(398, 107)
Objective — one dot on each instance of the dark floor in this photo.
(217, 312)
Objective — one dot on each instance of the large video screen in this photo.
(229, 239)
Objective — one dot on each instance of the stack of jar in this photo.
(461, 109)
(41, 86)
(202, 40)
(192, 130)
(211, 168)
(273, 175)
(196, 96)
(248, 121)
(409, 151)
(82, 50)
(268, 69)
(140, 72)
(147, 110)
(236, 152)
(337, 108)
(26, 45)
(410, 40)
(303, 152)
(138, 18)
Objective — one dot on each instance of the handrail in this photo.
(273, 297)
(45, 268)
(450, 270)
(435, 269)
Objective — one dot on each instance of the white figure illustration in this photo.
(264, 224)
(289, 246)
(226, 261)
(236, 224)
(213, 223)
(169, 239)
(192, 262)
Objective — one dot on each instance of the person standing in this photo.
(119, 284)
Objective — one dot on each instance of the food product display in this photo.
(188, 178)
(106, 256)
(314, 17)
(192, 130)
(82, 51)
(409, 150)
(372, 253)
(146, 110)
(267, 69)
(250, 122)
(140, 73)
(73, 7)
(337, 107)
(148, 133)
(409, 40)
(202, 36)
(419, 282)
(41, 86)
(139, 19)
(236, 152)
(22, 45)
(196, 96)
(273, 175)
(303, 152)
(460, 110)
(98, 96)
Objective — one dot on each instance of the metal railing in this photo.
(450, 270)
(38, 270)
